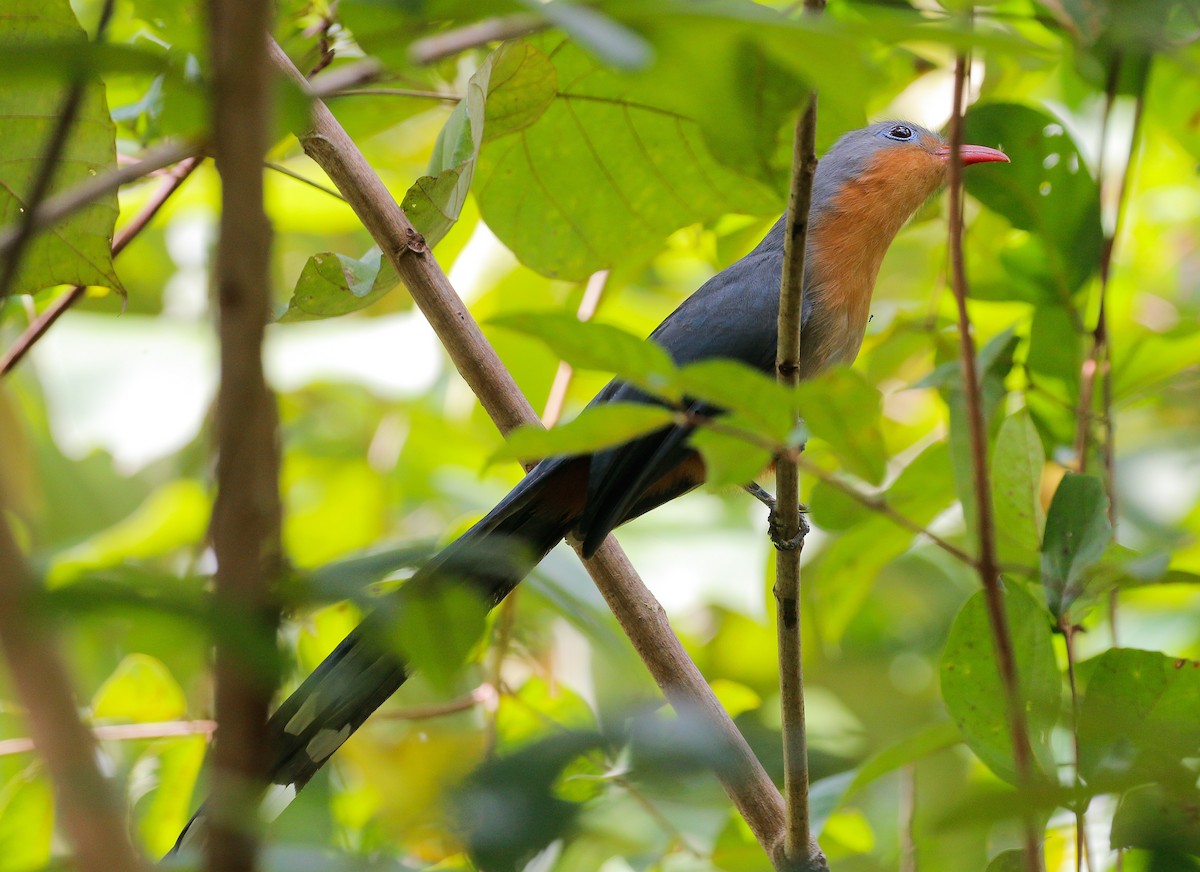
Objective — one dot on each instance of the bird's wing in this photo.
(734, 315)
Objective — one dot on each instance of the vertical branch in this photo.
(246, 517)
(798, 847)
(989, 571)
(86, 804)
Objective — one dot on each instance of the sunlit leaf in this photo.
(142, 690)
(1047, 190)
(164, 810)
(77, 250)
(334, 284)
(758, 399)
(26, 821)
(592, 345)
(595, 428)
(843, 409)
(1016, 491)
(729, 459)
(974, 693)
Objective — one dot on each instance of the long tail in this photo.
(363, 671)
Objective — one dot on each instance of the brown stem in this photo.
(1081, 845)
(86, 804)
(799, 849)
(60, 206)
(485, 694)
(246, 520)
(327, 143)
(989, 571)
(123, 733)
(432, 49)
(880, 505)
(37, 329)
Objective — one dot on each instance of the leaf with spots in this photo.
(78, 249)
(1077, 534)
(974, 693)
(1140, 714)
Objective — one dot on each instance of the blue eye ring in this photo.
(900, 133)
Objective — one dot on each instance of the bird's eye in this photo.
(900, 132)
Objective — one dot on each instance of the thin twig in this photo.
(592, 294)
(1081, 845)
(989, 572)
(292, 174)
(123, 733)
(63, 205)
(38, 327)
(246, 521)
(485, 695)
(86, 803)
(879, 504)
(642, 618)
(798, 849)
(908, 816)
(432, 49)
(397, 92)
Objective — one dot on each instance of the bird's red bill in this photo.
(973, 154)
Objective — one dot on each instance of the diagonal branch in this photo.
(642, 618)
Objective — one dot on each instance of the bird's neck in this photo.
(847, 243)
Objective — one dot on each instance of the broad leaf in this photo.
(141, 690)
(1077, 534)
(334, 284)
(26, 821)
(974, 693)
(596, 427)
(844, 410)
(77, 250)
(1140, 714)
(1016, 491)
(596, 346)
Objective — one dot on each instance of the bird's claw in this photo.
(795, 543)
(777, 538)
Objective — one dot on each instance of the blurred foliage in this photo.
(650, 138)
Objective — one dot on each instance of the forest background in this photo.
(609, 158)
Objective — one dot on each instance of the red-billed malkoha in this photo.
(866, 187)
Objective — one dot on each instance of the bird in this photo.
(866, 187)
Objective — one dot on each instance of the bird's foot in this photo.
(780, 542)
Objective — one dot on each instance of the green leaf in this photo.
(77, 250)
(162, 813)
(842, 408)
(594, 346)
(759, 400)
(508, 810)
(848, 568)
(729, 460)
(437, 627)
(1008, 861)
(141, 690)
(1047, 190)
(1162, 818)
(334, 284)
(1140, 714)
(603, 174)
(26, 822)
(924, 743)
(595, 428)
(1077, 534)
(1017, 485)
(974, 693)
(1053, 365)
